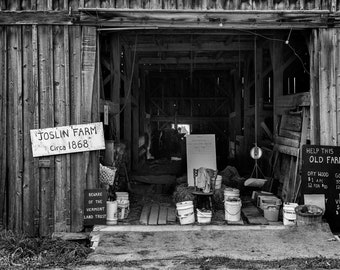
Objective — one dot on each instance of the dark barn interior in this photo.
(212, 81)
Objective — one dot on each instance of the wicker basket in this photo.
(308, 214)
(106, 174)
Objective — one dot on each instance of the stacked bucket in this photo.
(123, 205)
(232, 204)
(118, 209)
(185, 212)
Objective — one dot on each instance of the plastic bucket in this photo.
(123, 209)
(233, 209)
(111, 212)
(184, 208)
(122, 196)
(269, 200)
(187, 218)
(218, 182)
(271, 212)
(231, 193)
(289, 215)
(308, 214)
(204, 217)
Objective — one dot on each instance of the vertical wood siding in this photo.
(325, 86)
(47, 80)
(169, 4)
(3, 124)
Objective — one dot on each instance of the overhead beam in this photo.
(188, 119)
(187, 46)
(38, 17)
(221, 66)
(225, 19)
(187, 60)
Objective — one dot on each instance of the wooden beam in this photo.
(37, 17)
(188, 119)
(206, 46)
(236, 19)
(188, 60)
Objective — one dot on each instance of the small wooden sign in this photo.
(67, 139)
(95, 206)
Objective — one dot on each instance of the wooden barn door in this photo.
(48, 79)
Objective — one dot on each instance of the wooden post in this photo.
(276, 53)
(259, 88)
(337, 85)
(238, 103)
(115, 45)
(3, 124)
(314, 52)
(67, 210)
(135, 118)
(89, 50)
(127, 103)
(142, 111)
(61, 119)
(36, 119)
(77, 161)
(29, 181)
(15, 129)
(328, 134)
(46, 120)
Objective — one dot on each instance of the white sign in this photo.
(201, 152)
(67, 139)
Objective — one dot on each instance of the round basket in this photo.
(308, 214)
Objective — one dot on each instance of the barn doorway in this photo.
(156, 80)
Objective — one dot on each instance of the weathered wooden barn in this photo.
(213, 65)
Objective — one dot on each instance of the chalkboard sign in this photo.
(321, 175)
(95, 206)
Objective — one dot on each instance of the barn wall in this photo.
(325, 86)
(168, 4)
(47, 80)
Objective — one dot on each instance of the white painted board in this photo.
(67, 139)
(315, 199)
(201, 152)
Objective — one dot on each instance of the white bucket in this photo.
(231, 193)
(123, 209)
(185, 212)
(233, 209)
(187, 218)
(271, 212)
(122, 196)
(111, 212)
(184, 208)
(218, 182)
(289, 215)
(204, 217)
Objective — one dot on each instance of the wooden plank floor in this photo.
(157, 214)
(164, 214)
(253, 215)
